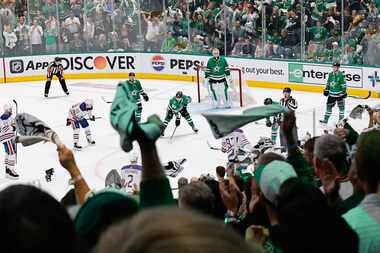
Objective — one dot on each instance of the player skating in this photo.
(218, 79)
(237, 146)
(7, 137)
(55, 68)
(135, 91)
(336, 93)
(178, 107)
(77, 119)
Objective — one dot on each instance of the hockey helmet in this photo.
(89, 102)
(268, 101)
(287, 90)
(336, 64)
(57, 59)
(179, 94)
(215, 52)
(7, 108)
(131, 74)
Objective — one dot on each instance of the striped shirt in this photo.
(55, 68)
(290, 103)
(365, 221)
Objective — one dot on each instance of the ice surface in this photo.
(96, 161)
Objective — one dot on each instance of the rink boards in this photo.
(310, 77)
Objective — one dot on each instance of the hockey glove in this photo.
(344, 95)
(268, 123)
(68, 122)
(92, 118)
(145, 97)
(325, 93)
(177, 121)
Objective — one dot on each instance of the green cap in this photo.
(91, 219)
(270, 177)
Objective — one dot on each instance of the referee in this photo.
(55, 68)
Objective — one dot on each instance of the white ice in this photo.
(96, 161)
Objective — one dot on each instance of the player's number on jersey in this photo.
(130, 181)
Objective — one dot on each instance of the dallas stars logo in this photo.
(216, 69)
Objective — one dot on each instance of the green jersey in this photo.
(133, 90)
(217, 68)
(177, 105)
(336, 84)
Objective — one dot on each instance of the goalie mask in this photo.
(215, 53)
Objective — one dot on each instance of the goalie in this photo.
(218, 78)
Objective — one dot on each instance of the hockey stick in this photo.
(173, 133)
(366, 97)
(211, 147)
(105, 100)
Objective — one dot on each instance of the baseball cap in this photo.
(271, 176)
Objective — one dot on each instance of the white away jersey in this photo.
(7, 128)
(79, 111)
(131, 174)
(235, 144)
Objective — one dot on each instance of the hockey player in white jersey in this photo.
(77, 119)
(131, 175)
(237, 146)
(7, 137)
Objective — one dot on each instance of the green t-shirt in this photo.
(319, 33)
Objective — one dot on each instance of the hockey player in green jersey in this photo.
(134, 90)
(336, 93)
(178, 107)
(217, 77)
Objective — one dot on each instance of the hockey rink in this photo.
(96, 161)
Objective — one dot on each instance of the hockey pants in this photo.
(184, 113)
(76, 128)
(10, 154)
(61, 81)
(219, 91)
(331, 101)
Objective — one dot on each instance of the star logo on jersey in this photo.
(216, 69)
(16, 66)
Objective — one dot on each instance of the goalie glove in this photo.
(177, 121)
(145, 97)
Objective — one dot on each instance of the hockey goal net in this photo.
(238, 91)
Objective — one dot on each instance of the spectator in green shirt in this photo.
(169, 43)
(319, 33)
(365, 218)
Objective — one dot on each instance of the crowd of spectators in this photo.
(321, 197)
(259, 29)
